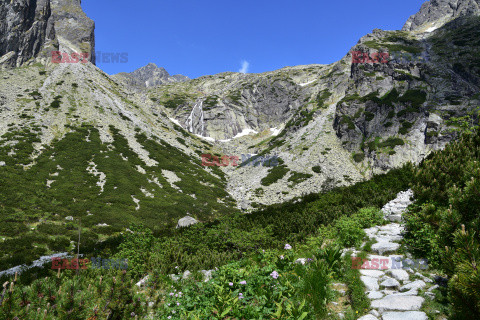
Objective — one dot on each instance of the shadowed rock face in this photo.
(74, 30)
(148, 76)
(25, 30)
(440, 11)
(34, 28)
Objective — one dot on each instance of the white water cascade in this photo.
(189, 123)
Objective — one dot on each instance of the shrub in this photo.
(274, 175)
(317, 169)
(369, 217)
(359, 157)
(350, 231)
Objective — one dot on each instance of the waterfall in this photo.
(189, 123)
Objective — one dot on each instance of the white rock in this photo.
(372, 273)
(426, 279)
(409, 315)
(383, 247)
(368, 317)
(417, 284)
(186, 221)
(399, 274)
(142, 282)
(207, 275)
(432, 288)
(370, 283)
(390, 283)
(401, 303)
(373, 295)
(186, 275)
(374, 313)
(430, 295)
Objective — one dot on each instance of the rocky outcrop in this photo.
(26, 29)
(148, 76)
(74, 30)
(32, 29)
(435, 13)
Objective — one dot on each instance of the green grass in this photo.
(26, 198)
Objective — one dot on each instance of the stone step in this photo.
(398, 303)
(408, 315)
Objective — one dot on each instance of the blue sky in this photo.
(196, 38)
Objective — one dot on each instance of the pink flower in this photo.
(240, 295)
(282, 257)
(288, 247)
(230, 284)
(274, 274)
(243, 282)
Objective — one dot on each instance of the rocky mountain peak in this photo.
(148, 76)
(435, 13)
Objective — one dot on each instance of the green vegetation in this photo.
(210, 102)
(359, 157)
(56, 102)
(250, 282)
(73, 191)
(298, 177)
(275, 174)
(321, 97)
(317, 169)
(347, 120)
(235, 96)
(174, 100)
(443, 225)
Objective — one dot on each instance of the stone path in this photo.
(392, 284)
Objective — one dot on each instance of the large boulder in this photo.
(186, 221)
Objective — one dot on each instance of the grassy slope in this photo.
(25, 197)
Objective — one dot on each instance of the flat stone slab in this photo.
(382, 247)
(370, 283)
(399, 274)
(372, 273)
(409, 315)
(399, 303)
(417, 284)
(368, 317)
(372, 295)
(390, 283)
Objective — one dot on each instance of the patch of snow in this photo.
(275, 131)
(175, 121)
(245, 132)
(205, 138)
(307, 83)
(431, 29)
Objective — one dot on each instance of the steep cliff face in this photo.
(433, 14)
(33, 28)
(74, 30)
(148, 76)
(26, 28)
